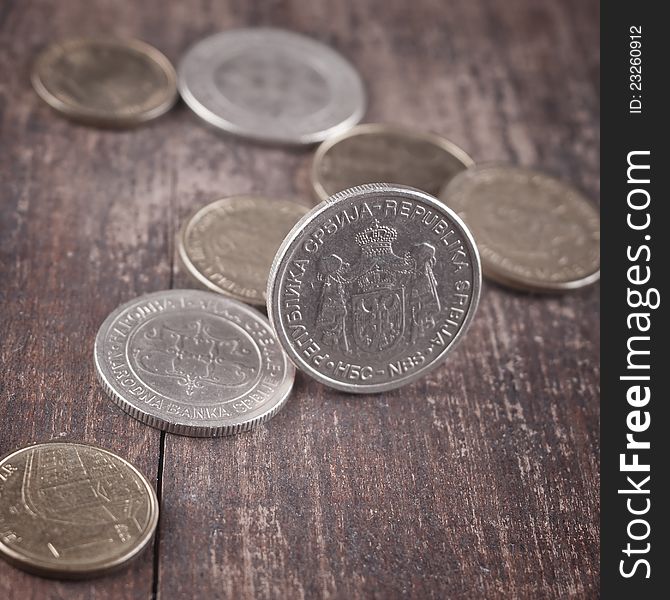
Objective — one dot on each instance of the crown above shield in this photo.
(376, 239)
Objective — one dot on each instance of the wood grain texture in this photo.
(479, 481)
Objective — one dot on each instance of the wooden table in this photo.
(479, 481)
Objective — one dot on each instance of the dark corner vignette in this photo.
(634, 414)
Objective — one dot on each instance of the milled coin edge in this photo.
(295, 234)
(46, 570)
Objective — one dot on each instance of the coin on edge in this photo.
(383, 152)
(229, 245)
(193, 363)
(70, 510)
(533, 231)
(105, 81)
(372, 290)
(271, 85)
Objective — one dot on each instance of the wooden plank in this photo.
(82, 229)
(478, 481)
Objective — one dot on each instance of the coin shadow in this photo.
(294, 149)
(520, 291)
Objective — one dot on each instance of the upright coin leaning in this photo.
(229, 244)
(193, 363)
(271, 86)
(372, 290)
(72, 510)
(534, 232)
(106, 81)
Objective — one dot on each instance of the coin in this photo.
(382, 152)
(71, 510)
(533, 231)
(229, 244)
(193, 363)
(372, 290)
(271, 85)
(105, 81)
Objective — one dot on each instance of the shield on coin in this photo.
(378, 319)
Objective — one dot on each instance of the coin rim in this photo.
(38, 567)
(307, 220)
(379, 129)
(178, 427)
(220, 123)
(190, 267)
(93, 116)
(512, 280)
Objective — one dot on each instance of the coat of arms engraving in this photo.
(381, 301)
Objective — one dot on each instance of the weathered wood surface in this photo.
(480, 481)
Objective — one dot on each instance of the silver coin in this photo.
(271, 85)
(193, 363)
(372, 289)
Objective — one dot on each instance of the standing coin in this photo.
(229, 244)
(534, 232)
(372, 290)
(105, 82)
(271, 86)
(381, 152)
(72, 510)
(192, 363)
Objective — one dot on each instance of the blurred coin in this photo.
(533, 231)
(372, 290)
(381, 152)
(193, 363)
(229, 244)
(105, 81)
(271, 86)
(72, 510)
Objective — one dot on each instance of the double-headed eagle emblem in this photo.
(381, 299)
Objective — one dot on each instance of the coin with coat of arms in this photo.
(193, 363)
(229, 245)
(104, 81)
(534, 232)
(72, 510)
(372, 290)
(271, 85)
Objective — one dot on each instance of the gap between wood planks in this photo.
(161, 452)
